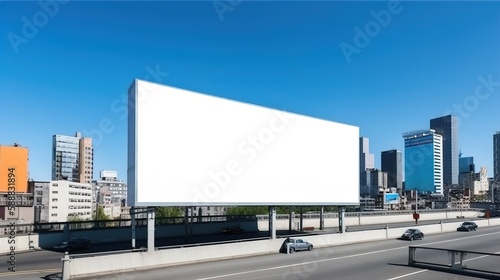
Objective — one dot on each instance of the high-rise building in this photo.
(86, 160)
(447, 127)
(366, 165)
(496, 158)
(465, 166)
(423, 162)
(72, 158)
(366, 160)
(392, 164)
(373, 183)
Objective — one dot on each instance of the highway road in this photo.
(384, 260)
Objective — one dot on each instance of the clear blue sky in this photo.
(66, 68)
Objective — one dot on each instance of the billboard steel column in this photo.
(132, 225)
(322, 219)
(151, 229)
(341, 220)
(272, 222)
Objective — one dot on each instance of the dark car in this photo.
(296, 244)
(412, 234)
(73, 244)
(467, 226)
(232, 229)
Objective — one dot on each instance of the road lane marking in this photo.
(408, 274)
(336, 258)
(25, 272)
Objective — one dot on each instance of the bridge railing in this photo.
(118, 223)
(478, 264)
(371, 213)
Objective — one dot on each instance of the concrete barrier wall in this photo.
(19, 242)
(107, 264)
(98, 265)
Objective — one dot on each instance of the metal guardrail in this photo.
(371, 213)
(119, 223)
(470, 263)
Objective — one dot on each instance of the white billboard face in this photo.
(191, 149)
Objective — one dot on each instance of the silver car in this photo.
(297, 244)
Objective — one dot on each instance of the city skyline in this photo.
(387, 67)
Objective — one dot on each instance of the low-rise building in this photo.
(58, 201)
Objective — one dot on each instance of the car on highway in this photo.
(73, 244)
(467, 226)
(296, 244)
(232, 229)
(412, 234)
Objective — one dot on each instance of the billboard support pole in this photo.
(341, 219)
(290, 219)
(322, 218)
(151, 229)
(301, 218)
(272, 222)
(186, 235)
(132, 225)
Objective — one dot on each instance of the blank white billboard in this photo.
(191, 149)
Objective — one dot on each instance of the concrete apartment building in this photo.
(58, 201)
(109, 183)
(478, 183)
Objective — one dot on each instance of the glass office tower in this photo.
(423, 161)
(72, 158)
(392, 163)
(447, 127)
(465, 166)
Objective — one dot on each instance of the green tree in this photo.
(168, 212)
(74, 219)
(247, 210)
(99, 215)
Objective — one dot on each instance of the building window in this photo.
(55, 192)
(54, 200)
(54, 215)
